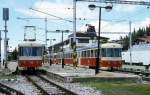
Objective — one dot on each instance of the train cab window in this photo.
(30, 51)
(117, 52)
(36, 51)
(113, 52)
(110, 52)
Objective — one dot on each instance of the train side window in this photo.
(103, 52)
(88, 53)
(92, 53)
(20, 51)
(96, 52)
(68, 55)
(78, 54)
(84, 53)
(71, 55)
(81, 53)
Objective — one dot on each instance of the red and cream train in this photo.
(110, 56)
(30, 55)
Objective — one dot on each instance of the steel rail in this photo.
(60, 87)
(6, 89)
(36, 85)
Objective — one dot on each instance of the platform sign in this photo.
(5, 14)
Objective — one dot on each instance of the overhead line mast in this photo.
(119, 2)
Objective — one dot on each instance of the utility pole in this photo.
(0, 47)
(130, 42)
(46, 33)
(74, 35)
(5, 18)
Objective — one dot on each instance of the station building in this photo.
(83, 39)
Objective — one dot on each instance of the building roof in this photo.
(80, 34)
(145, 39)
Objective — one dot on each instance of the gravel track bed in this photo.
(77, 88)
(52, 90)
(21, 84)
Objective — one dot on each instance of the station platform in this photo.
(78, 74)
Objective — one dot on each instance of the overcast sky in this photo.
(116, 20)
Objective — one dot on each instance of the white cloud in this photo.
(145, 22)
(141, 24)
(126, 8)
(57, 9)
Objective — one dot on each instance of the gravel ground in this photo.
(77, 88)
(21, 84)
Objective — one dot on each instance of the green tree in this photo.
(141, 32)
(13, 55)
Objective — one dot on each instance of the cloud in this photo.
(54, 8)
(125, 8)
(141, 24)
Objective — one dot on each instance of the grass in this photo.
(120, 88)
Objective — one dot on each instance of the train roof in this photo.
(104, 45)
(111, 45)
(36, 44)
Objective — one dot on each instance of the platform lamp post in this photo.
(98, 58)
(62, 31)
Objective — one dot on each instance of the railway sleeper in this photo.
(2, 90)
(10, 90)
(62, 88)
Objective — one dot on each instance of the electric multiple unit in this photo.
(30, 55)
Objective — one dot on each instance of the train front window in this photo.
(30, 51)
(109, 52)
(112, 52)
(117, 52)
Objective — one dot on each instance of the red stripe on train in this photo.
(30, 63)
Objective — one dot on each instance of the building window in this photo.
(83, 40)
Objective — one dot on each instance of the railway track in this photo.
(48, 87)
(5, 90)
